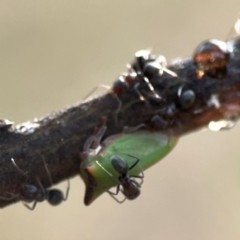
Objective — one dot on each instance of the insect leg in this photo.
(30, 207)
(135, 162)
(67, 191)
(48, 173)
(117, 190)
(122, 201)
(112, 194)
(16, 166)
(9, 198)
(136, 183)
(136, 176)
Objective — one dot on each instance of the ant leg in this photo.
(136, 183)
(30, 207)
(117, 190)
(40, 184)
(135, 162)
(50, 179)
(48, 173)
(122, 201)
(112, 194)
(136, 176)
(94, 140)
(16, 166)
(163, 63)
(67, 191)
(9, 198)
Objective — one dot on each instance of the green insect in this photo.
(123, 159)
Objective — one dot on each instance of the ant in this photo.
(32, 193)
(131, 188)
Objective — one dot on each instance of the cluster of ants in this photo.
(210, 58)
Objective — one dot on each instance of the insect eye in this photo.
(186, 99)
(211, 57)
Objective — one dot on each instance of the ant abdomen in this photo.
(131, 189)
(55, 197)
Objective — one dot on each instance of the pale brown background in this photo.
(53, 52)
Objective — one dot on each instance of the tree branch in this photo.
(58, 138)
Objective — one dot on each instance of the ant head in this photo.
(119, 164)
(55, 197)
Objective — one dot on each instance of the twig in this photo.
(59, 137)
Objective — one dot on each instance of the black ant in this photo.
(131, 188)
(32, 193)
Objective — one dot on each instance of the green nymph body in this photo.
(97, 171)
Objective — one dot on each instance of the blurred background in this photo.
(53, 52)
